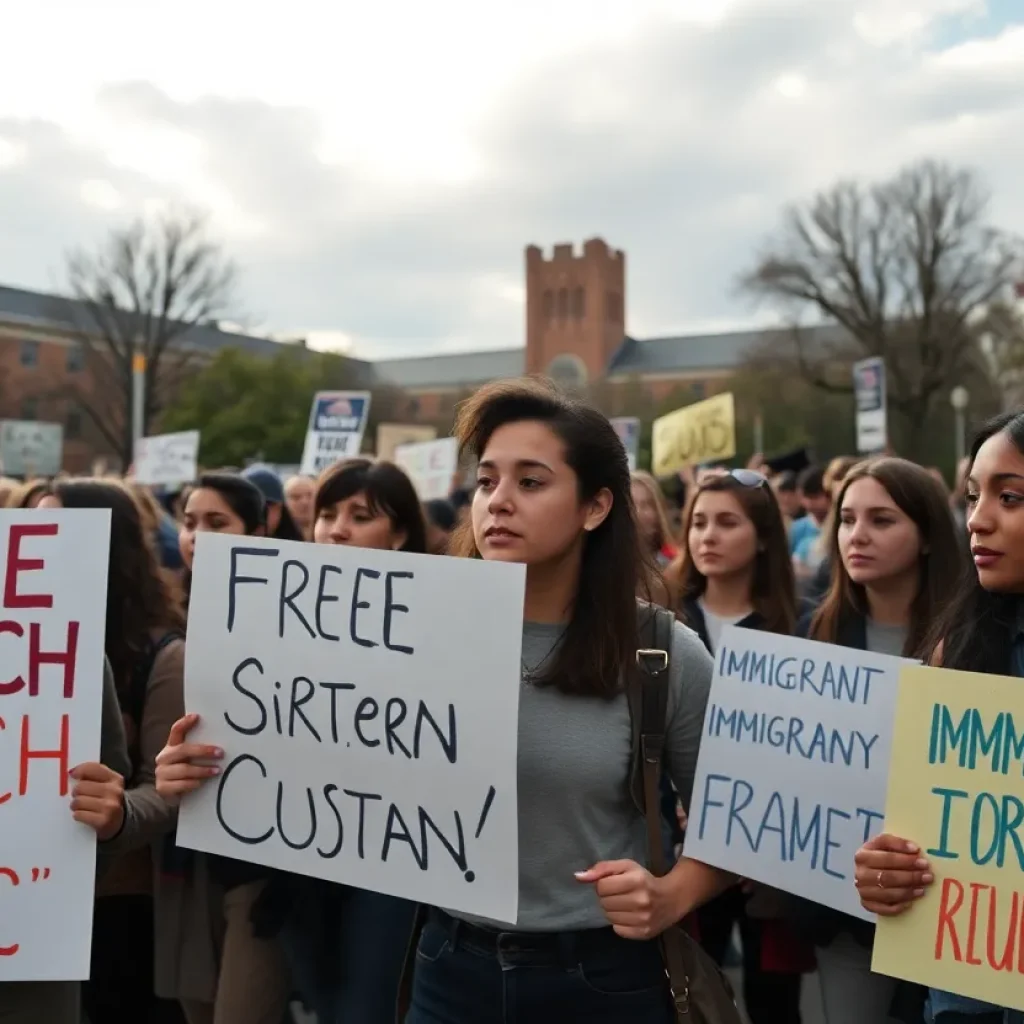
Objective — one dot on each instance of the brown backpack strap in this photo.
(650, 679)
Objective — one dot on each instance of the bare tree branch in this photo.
(906, 268)
(142, 291)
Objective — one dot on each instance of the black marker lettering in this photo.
(236, 682)
(323, 598)
(295, 709)
(334, 688)
(367, 711)
(391, 606)
(234, 578)
(362, 798)
(449, 742)
(280, 820)
(403, 836)
(357, 605)
(329, 790)
(288, 600)
(394, 714)
(248, 840)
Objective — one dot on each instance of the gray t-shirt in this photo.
(885, 639)
(575, 807)
(714, 624)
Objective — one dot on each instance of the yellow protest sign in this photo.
(703, 432)
(956, 788)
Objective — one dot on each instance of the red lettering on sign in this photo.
(946, 914)
(37, 658)
(60, 755)
(16, 564)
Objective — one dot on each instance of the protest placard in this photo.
(956, 788)
(431, 465)
(367, 704)
(702, 432)
(793, 763)
(167, 458)
(337, 421)
(54, 595)
(628, 429)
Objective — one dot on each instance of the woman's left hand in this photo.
(636, 903)
(97, 799)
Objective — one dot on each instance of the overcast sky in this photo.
(376, 171)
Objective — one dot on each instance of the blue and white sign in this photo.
(628, 429)
(336, 425)
(869, 391)
(794, 763)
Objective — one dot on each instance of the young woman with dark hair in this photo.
(895, 566)
(735, 569)
(345, 946)
(144, 645)
(982, 630)
(553, 492)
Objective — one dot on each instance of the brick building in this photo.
(576, 333)
(576, 320)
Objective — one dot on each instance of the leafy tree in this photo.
(903, 269)
(249, 407)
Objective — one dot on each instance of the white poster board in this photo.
(794, 763)
(54, 594)
(367, 705)
(167, 458)
(30, 448)
(431, 465)
(337, 421)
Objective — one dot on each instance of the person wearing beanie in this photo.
(280, 524)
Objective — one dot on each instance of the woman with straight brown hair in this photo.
(896, 563)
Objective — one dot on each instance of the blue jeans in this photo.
(467, 975)
(352, 973)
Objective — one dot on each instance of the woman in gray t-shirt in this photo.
(553, 492)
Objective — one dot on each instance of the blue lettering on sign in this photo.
(972, 740)
(839, 681)
(782, 826)
(792, 735)
(995, 822)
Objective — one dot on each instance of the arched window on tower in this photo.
(577, 303)
(563, 302)
(549, 305)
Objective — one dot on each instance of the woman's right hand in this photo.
(890, 875)
(176, 774)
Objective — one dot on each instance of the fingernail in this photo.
(912, 848)
(217, 752)
(580, 874)
(214, 770)
(919, 892)
(920, 863)
(927, 877)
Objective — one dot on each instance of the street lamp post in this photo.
(958, 398)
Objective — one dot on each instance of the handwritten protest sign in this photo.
(167, 458)
(367, 703)
(431, 465)
(702, 432)
(53, 586)
(956, 788)
(793, 763)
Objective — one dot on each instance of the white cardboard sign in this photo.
(367, 704)
(53, 589)
(794, 763)
(431, 465)
(167, 458)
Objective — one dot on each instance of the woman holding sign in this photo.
(735, 569)
(553, 492)
(345, 945)
(980, 632)
(895, 562)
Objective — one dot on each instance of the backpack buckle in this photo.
(645, 656)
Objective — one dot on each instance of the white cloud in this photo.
(376, 169)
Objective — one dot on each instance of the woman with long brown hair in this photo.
(735, 569)
(896, 563)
